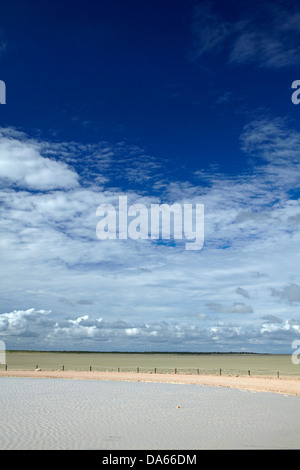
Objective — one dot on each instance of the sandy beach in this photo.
(284, 385)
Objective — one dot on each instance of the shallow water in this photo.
(38, 413)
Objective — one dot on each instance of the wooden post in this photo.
(198, 371)
(118, 369)
(63, 367)
(137, 369)
(90, 368)
(277, 374)
(248, 372)
(36, 366)
(175, 371)
(5, 366)
(220, 371)
(154, 370)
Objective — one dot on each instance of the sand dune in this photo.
(285, 385)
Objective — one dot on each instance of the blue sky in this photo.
(162, 102)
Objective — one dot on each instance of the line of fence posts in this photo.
(155, 370)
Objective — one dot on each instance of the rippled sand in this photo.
(38, 413)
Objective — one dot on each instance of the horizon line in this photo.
(143, 352)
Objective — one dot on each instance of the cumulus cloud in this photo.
(22, 163)
(101, 334)
(133, 331)
(287, 328)
(26, 323)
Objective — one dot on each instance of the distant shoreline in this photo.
(283, 385)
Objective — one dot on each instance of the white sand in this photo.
(38, 413)
(286, 385)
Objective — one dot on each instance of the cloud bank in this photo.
(62, 288)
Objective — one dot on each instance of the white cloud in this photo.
(26, 323)
(37, 329)
(288, 326)
(51, 257)
(133, 331)
(79, 320)
(22, 163)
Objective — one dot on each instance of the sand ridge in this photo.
(284, 385)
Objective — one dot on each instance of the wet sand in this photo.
(283, 385)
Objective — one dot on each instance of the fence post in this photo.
(248, 372)
(5, 366)
(198, 371)
(63, 367)
(118, 369)
(137, 369)
(278, 374)
(90, 368)
(154, 370)
(175, 371)
(220, 371)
